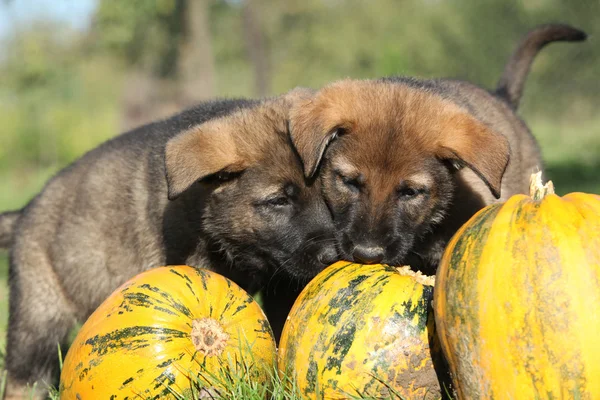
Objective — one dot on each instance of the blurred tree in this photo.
(256, 45)
(167, 46)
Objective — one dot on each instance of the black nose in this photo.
(367, 254)
(327, 255)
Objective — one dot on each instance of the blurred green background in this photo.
(76, 72)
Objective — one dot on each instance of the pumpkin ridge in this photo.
(182, 275)
(248, 300)
(188, 282)
(203, 277)
(169, 299)
(468, 240)
(117, 339)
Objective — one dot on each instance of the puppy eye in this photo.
(407, 193)
(352, 183)
(279, 201)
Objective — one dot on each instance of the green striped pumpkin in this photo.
(164, 331)
(357, 329)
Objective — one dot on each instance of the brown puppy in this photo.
(239, 204)
(393, 153)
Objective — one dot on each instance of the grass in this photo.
(237, 381)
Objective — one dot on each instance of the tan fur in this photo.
(185, 166)
(379, 115)
(216, 147)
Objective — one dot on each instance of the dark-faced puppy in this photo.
(405, 162)
(239, 204)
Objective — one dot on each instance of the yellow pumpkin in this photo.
(164, 331)
(361, 330)
(517, 301)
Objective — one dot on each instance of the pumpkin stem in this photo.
(537, 190)
(208, 336)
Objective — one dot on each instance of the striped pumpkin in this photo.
(355, 329)
(517, 302)
(160, 331)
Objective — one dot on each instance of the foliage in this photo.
(142, 32)
(56, 100)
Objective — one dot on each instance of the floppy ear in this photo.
(200, 152)
(473, 144)
(312, 129)
(298, 94)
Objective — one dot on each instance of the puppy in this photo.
(234, 200)
(405, 162)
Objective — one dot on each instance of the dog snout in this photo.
(368, 254)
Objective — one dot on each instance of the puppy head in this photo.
(260, 211)
(388, 153)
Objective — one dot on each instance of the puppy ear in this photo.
(473, 144)
(312, 128)
(297, 95)
(197, 153)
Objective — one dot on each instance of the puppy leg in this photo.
(40, 319)
(278, 301)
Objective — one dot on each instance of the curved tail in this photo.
(510, 86)
(8, 221)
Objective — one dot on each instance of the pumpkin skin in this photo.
(356, 328)
(517, 301)
(160, 330)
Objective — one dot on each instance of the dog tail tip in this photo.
(511, 84)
